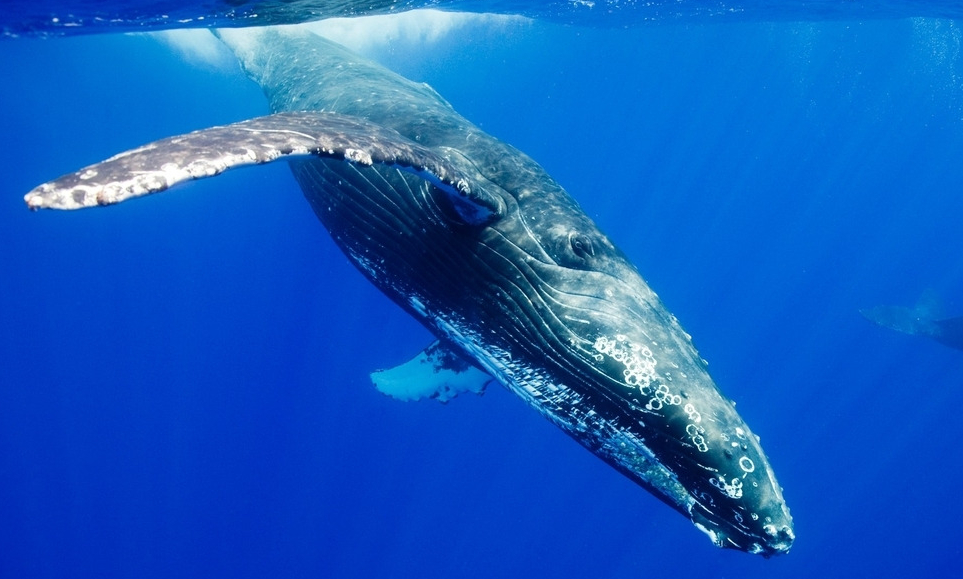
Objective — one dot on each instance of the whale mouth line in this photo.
(770, 542)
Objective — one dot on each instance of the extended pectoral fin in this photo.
(162, 164)
(437, 372)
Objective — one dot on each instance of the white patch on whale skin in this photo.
(358, 156)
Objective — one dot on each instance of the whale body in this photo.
(476, 241)
(921, 320)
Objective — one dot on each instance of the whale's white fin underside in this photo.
(436, 372)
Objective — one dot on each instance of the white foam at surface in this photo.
(363, 34)
(367, 33)
(197, 46)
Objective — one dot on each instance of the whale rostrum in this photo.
(475, 240)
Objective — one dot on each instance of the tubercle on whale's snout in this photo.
(720, 475)
(775, 538)
(781, 541)
(743, 507)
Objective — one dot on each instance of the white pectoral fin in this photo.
(436, 372)
(160, 165)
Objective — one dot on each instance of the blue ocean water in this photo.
(185, 377)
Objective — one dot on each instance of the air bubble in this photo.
(695, 434)
(693, 414)
(639, 365)
(733, 490)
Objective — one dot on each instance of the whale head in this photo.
(636, 392)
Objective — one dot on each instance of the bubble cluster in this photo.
(732, 489)
(692, 413)
(696, 435)
(638, 360)
(660, 397)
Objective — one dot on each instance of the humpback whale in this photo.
(475, 240)
(920, 320)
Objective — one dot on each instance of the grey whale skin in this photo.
(476, 241)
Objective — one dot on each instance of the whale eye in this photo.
(581, 245)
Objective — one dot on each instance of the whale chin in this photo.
(775, 539)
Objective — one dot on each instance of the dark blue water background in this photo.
(184, 378)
